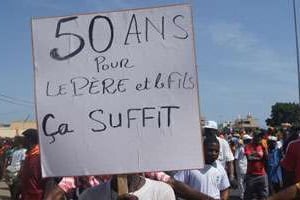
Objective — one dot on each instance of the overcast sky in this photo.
(245, 53)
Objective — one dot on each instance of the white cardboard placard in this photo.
(117, 92)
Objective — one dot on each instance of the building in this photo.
(248, 123)
(15, 128)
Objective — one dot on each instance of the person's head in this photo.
(210, 128)
(8, 142)
(18, 141)
(242, 132)
(236, 135)
(30, 137)
(211, 149)
(272, 142)
(247, 139)
(233, 143)
(271, 130)
(280, 135)
(295, 130)
(257, 137)
(134, 182)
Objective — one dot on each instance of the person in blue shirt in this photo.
(273, 166)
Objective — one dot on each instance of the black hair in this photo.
(210, 132)
(18, 140)
(259, 133)
(295, 130)
(32, 135)
(210, 140)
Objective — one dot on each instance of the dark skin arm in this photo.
(254, 156)
(225, 194)
(289, 193)
(230, 169)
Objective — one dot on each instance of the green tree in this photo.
(284, 112)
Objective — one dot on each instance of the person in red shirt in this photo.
(32, 184)
(291, 162)
(256, 177)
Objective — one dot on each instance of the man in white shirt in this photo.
(18, 156)
(226, 157)
(12, 170)
(212, 180)
(241, 163)
(140, 187)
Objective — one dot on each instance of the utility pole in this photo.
(297, 48)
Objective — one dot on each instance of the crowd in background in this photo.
(261, 164)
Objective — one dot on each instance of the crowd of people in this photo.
(261, 164)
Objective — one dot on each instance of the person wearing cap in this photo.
(210, 180)
(273, 165)
(226, 157)
(241, 164)
(256, 176)
(247, 137)
(32, 184)
(233, 143)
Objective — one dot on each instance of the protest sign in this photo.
(117, 92)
